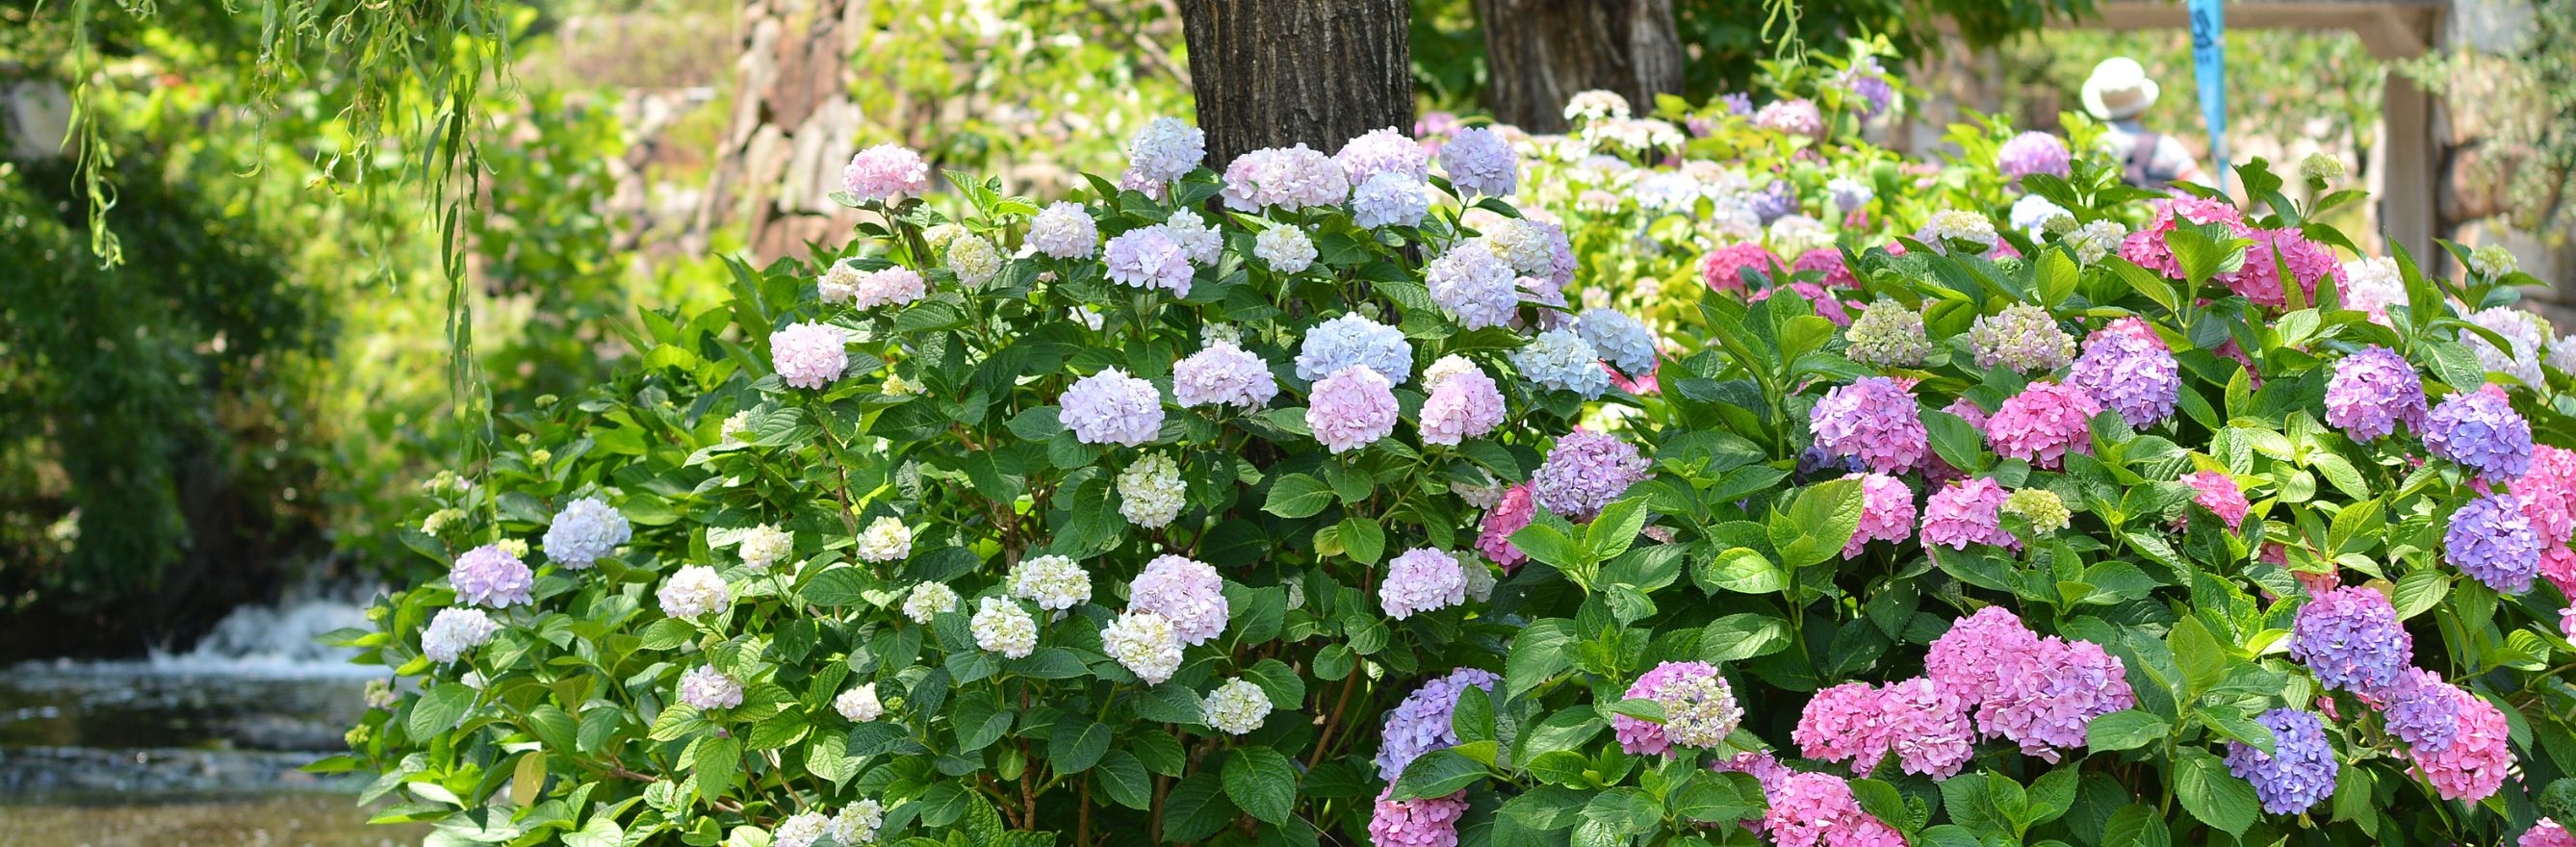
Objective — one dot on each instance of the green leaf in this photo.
(2138, 826)
(439, 709)
(1955, 441)
(1741, 636)
(2420, 591)
(1547, 808)
(1438, 773)
(1718, 798)
(1611, 533)
(718, 764)
(1625, 810)
(1263, 782)
(1742, 570)
(2197, 652)
(1123, 778)
(1539, 652)
(1818, 523)
(1196, 809)
(1362, 538)
(2125, 730)
(1297, 496)
(1075, 748)
(2212, 794)
(840, 586)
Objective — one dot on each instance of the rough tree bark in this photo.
(1540, 52)
(1272, 73)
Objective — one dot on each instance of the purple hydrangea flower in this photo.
(2489, 538)
(1868, 80)
(1421, 580)
(1420, 724)
(1479, 161)
(2299, 772)
(1149, 258)
(1584, 472)
(2034, 153)
(2349, 638)
(1872, 418)
(1473, 285)
(2480, 431)
(1382, 151)
(2477, 760)
(2134, 376)
(2372, 392)
(1775, 201)
(490, 576)
(2419, 709)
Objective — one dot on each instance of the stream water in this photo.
(198, 748)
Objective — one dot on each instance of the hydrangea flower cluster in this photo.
(2479, 757)
(2490, 539)
(2546, 833)
(1873, 419)
(1165, 150)
(2217, 492)
(1699, 708)
(884, 172)
(1584, 472)
(1888, 334)
(1186, 591)
(1886, 512)
(1420, 724)
(765, 545)
(1381, 152)
(2305, 262)
(1621, 340)
(1475, 286)
(1796, 116)
(1560, 360)
(2022, 337)
(1480, 162)
(490, 576)
(456, 632)
(2041, 508)
(860, 703)
(1818, 810)
(2480, 431)
(2046, 697)
(809, 355)
(1966, 512)
(1464, 403)
(1223, 374)
(2373, 391)
(1111, 407)
(1285, 178)
(703, 687)
(1054, 583)
(2418, 709)
(1150, 491)
(1513, 511)
(1288, 249)
(2044, 423)
(2034, 153)
(2131, 373)
(2350, 639)
(1144, 643)
(2299, 772)
(1001, 626)
(694, 592)
(1149, 258)
(1350, 408)
(1723, 267)
(927, 600)
(1422, 580)
(886, 539)
(1351, 340)
(1423, 822)
(1236, 707)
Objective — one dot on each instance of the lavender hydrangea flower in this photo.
(1350, 408)
(1479, 161)
(2046, 697)
(2419, 709)
(1775, 201)
(2350, 639)
(2479, 757)
(490, 576)
(1353, 340)
(1584, 472)
(1420, 724)
(1111, 407)
(2373, 391)
(1149, 258)
(2299, 772)
(1561, 360)
(2490, 539)
(2022, 337)
(1867, 80)
(1872, 418)
(1185, 591)
(1620, 339)
(587, 530)
(1380, 152)
(2136, 376)
(1390, 199)
(2480, 431)
(704, 687)
(2034, 153)
(1473, 285)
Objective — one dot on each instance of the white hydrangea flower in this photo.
(2032, 214)
(1483, 496)
(858, 823)
(1237, 707)
(1196, 238)
(859, 704)
(1286, 248)
(455, 632)
(1594, 105)
(1166, 149)
(1145, 644)
(585, 531)
(694, 592)
(1088, 317)
(838, 283)
(2494, 261)
(1055, 583)
(974, 260)
(1480, 579)
(1960, 225)
(1065, 231)
(2097, 239)
(2562, 353)
(2523, 336)
(705, 687)
(802, 829)
(1794, 234)
(886, 539)
(1448, 366)
(737, 428)
(765, 545)
(928, 599)
(380, 693)
(1523, 246)
(1001, 626)
(1150, 492)
(1849, 195)
(939, 236)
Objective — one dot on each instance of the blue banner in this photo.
(2209, 66)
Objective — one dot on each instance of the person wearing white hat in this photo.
(2117, 93)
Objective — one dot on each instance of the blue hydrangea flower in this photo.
(1561, 360)
(2490, 539)
(2480, 431)
(2349, 638)
(1420, 724)
(1620, 339)
(2299, 772)
(1353, 340)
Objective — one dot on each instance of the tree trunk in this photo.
(1273, 73)
(1540, 52)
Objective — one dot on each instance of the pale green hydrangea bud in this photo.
(1888, 334)
(2041, 507)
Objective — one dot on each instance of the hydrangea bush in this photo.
(1300, 502)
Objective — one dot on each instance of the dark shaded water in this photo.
(190, 749)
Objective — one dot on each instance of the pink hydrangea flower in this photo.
(2548, 493)
(2477, 760)
(1829, 262)
(2259, 279)
(1840, 724)
(2043, 423)
(1426, 822)
(1289, 178)
(1886, 512)
(2046, 697)
(1719, 268)
(1818, 810)
(1149, 258)
(1965, 513)
(1926, 727)
(1382, 151)
(1798, 116)
(1351, 408)
(1223, 375)
(884, 171)
(809, 355)
(2219, 494)
(1494, 533)
(1462, 406)
(1962, 661)
(2546, 833)
(888, 287)
(1873, 419)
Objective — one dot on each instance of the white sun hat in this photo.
(2119, 88)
